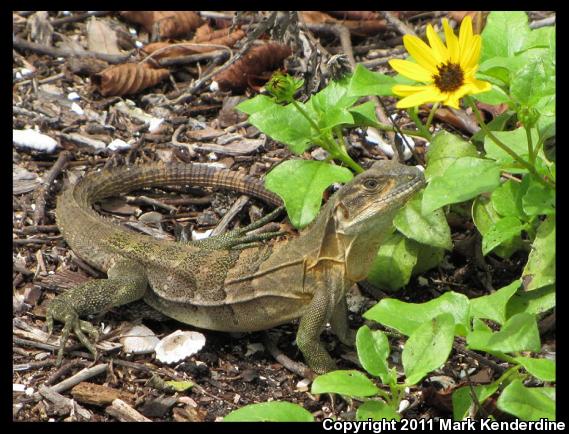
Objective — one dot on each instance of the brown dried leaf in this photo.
(478, 18)
(355, 15)
(184, 48)
(128, 78)
(170, 23)
(365, 27)
(202, 31)
(101, 38)
(316, 17)
(258, 60)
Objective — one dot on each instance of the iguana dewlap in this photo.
(224, 283)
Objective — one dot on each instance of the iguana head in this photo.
(363, 212)
(372, 198)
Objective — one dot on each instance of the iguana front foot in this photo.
(64, 312)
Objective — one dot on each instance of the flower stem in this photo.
(434, 109)
(506, 148)
(532, 156)
(415, 117)
(407, 132)
(303, 113)
(343, 151)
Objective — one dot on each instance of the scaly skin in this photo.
(224, 283)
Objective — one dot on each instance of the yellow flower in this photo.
(447, 70)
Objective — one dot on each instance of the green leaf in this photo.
(546, 122)
(376, 410)
(540, 268)
(274, 411)
(364, 114)
(505, 34)
(493, 306)
(335, 95)
(532, 82)
(428, 257)
(533, 302)
(464, 179)
(407, 317)
(256, 104)
(494, 96)
(427, 228)
(180, 386)
(300, 183)
(485, 217)
(428, 347)
(462, 398)
(349, 383)
(544, 369)
(365, 82)
(373, 349)
(519, 333)
(528, 403)
(507, 199)
(284, 124)
(516, 140)
(542, 37)
(538, 199)
(502, 68)
(505, 230)
(391, 269)
(445, 149)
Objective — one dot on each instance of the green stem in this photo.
(308, 118)
(407, 132)
(506, 148)
(434, 109)
(415, 117)
(341, 152)
(530, 145)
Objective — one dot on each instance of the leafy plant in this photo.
(503, 174)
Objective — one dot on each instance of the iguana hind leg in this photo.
(340, 325)
(126, 283)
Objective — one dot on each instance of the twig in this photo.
(217, 55)
(64, 369)
(229, 215)
(125, 413)
(21, 44)
(291, 365)
(403, 28)
(79, 17)
(145, 200)
(548, 21)
(39, 213)
(63, 403)
(381, 60)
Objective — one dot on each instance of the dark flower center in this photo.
(450, 77)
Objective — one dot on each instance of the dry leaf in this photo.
(355, 15)
(258, 60)
(316, 17)
(184, 48)
(478, 18)
(128, 78)
(101, 38)
(169, 24)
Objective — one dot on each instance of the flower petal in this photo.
(470, 55)
(439, 50)
(428, 94)
(411, 70)
(477, 86)
(405, 89)
(421, 52)
(465, 36)
(452, 42)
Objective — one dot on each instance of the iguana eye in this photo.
(371, 184)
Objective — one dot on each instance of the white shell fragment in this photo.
(196, 235)
(32, 139)
(130, 109)
(118, 145)
(76, 108)
(374, 137)
(179, 345)
(139, 340)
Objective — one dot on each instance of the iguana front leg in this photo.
(126, 283)
(311, 326)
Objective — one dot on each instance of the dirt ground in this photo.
(60, 89)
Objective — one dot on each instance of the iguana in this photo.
(230, 283)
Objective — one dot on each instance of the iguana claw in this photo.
(62, 311)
